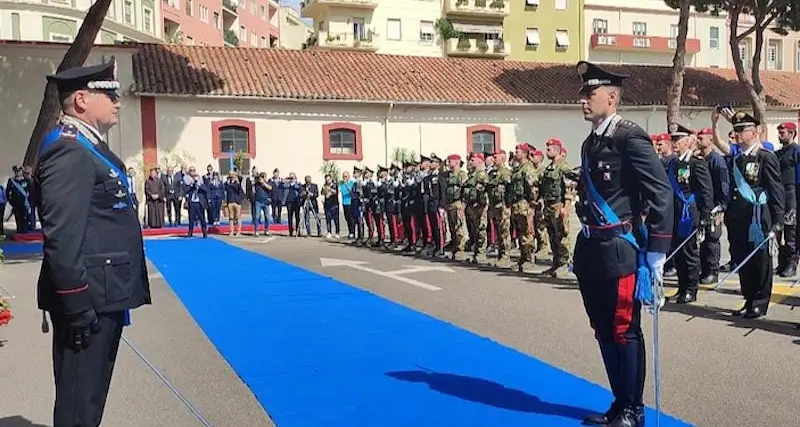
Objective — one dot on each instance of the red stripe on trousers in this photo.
(623, 313)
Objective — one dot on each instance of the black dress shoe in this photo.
(741, 311)
(789, 271)
(709, 279)
(627, 418)
(670, 272)
(683, 298)
(603, 419)
(755, 313)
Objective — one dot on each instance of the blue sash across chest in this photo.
(685, 222)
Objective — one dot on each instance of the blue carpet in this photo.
(317, 352)
(15, 248)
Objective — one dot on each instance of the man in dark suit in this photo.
(618, 250)
(88, 280)
(172, 196)
(197, 198)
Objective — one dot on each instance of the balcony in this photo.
(230, 7)
(170, 11)
(230, 38)
(477, 48)
(492, 9)
(348, 41)
(631, 43)
(312, 8)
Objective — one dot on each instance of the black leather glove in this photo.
(80, 328)
(705, 221)
(777, 228)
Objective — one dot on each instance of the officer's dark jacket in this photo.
(278, 188)
(233, 192)
(721, 179)
(789, 158)
(628, 175)
(699, 183)
(762, 173)
(93, 251)
(261, 194)
(291, 193)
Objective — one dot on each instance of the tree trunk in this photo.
(678, 65)
(76, 55)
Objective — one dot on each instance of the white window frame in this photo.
(534, 3)
(125, 4)
(253, 38)
(674, 29)
(599, 26)
(52, 37)
(189, 41)
(427, 37)
(713, 42)
(744, 54)
(389, 35)
(773, 55)
(532, 38)
(242, 34)
(639, 29)
(146, 21)
(565, 35)
(202, 12)
(797, 57)
(562, 4)
(216, 20)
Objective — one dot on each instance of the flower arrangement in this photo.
(5, 312)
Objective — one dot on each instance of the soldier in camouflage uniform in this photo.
(454, 199)
(499, 212)
(523, 187)
(556, 198)
(542, 239)
(476, 206)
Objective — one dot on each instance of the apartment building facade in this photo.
(779, 53)
(545, 30)
(253, 23)
(294, 32)
(59, 20)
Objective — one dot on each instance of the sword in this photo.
(659, 300)
(683, 243)
(739, 266)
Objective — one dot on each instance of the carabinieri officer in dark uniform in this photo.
(694, 198)
(756, 208)
(617, 252)
(94, 269)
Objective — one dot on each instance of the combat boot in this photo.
(460, 256)
(561, 272)
(527, 267)
(479, 259)
(627, 418)
(503, 263)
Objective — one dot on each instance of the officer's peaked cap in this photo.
(677, 130)
(435, 158)
(368, 170)
(743, 120)
(593, 76)
(382, 169)
(95, 77)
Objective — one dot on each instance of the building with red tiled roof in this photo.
(297, 110)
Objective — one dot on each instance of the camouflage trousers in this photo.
(542, 239)
(522, 217)
(500, 216)
(477, 217)
(458, 225)
(558, 231)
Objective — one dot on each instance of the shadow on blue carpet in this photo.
(317, 352)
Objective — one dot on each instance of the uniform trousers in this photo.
(710, 251)
(755, 277)
(83, 377)
(409, 226)
(197, 215)
(615, 317)
(687, 263)
(436, 224)
(421, 221)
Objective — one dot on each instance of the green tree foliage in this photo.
(779, 16)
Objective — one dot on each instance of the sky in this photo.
(293, 3)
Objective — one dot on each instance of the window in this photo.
(532, 40)
(774, 55)
(744, 54)
(189, 8)
(359, 30)
(600, 26)
(233, 137)
(147, 19)
(562, 39)
(254, 38)
(426, 31)
(262, 12)
(202, 11)
(189, 41)
(561, 4)
(263, 42)
(483, 139)
(713, 37)
(640, 29)
(393, 29)
(341, 141)
(673, 31)
(127, 12)
(112, 11)
(60, 38)
(797, 58)
(242, 35)
(216, 20)
(533, 3)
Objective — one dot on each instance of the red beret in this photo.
(655, 137)
(705, 131)
(787, 126)
(537, 153)
(478, 155)
(499, 152)
(454, 157)
(524, 146)
(553, 141)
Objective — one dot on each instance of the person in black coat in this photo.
(720, 178)
(197, 200)
(94, 270)
(621, 173)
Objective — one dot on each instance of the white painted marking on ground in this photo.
(359, 265)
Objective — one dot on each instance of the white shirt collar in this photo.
(685, 156)
(91, 128)
(603, 126)
(754, 147)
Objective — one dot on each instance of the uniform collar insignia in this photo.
(120, 194)
(112, 173)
